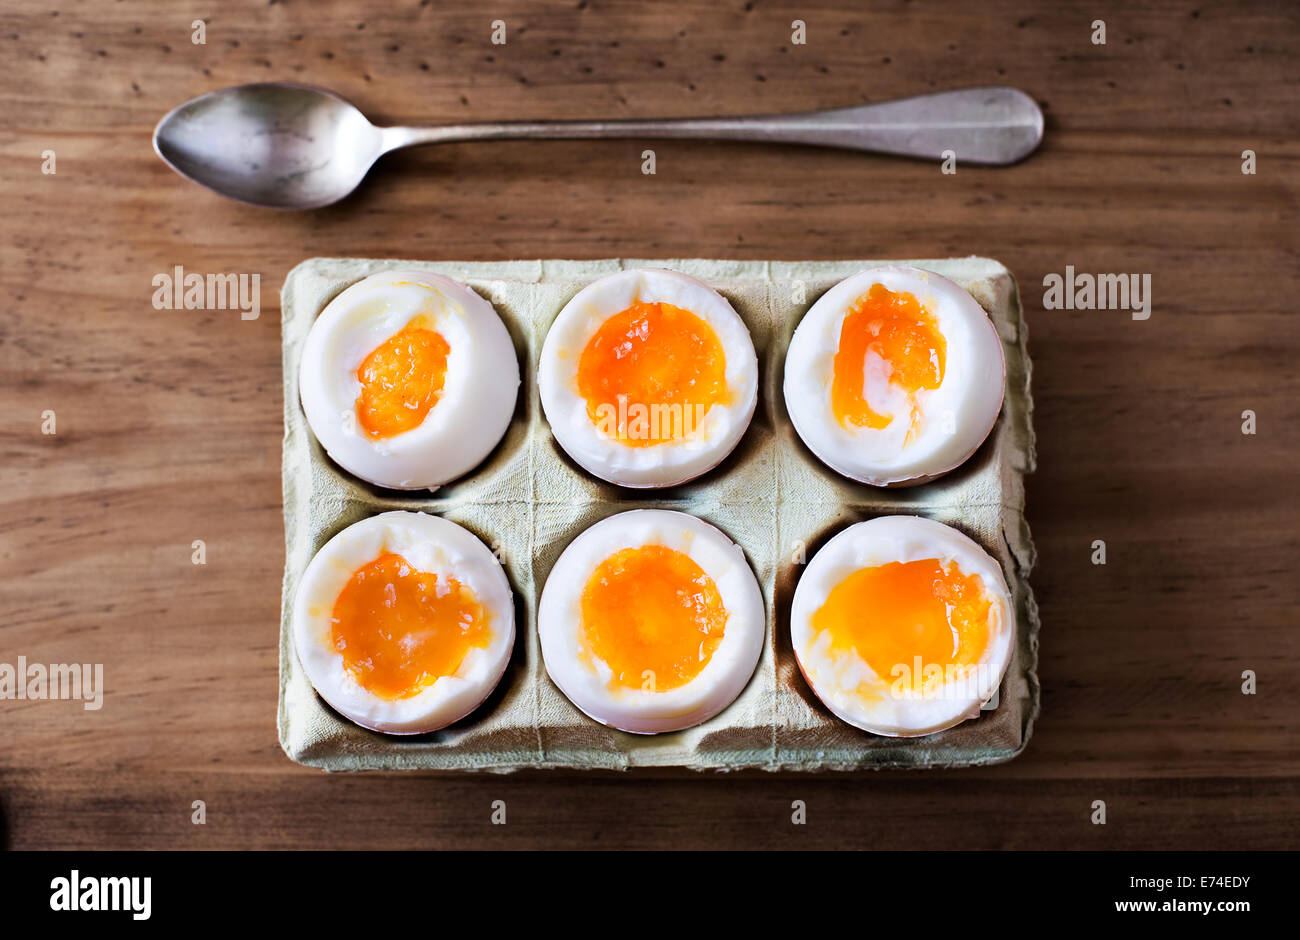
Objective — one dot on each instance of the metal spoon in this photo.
(292, 146)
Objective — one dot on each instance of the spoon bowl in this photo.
(276, 144)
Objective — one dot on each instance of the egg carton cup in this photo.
(771, 496)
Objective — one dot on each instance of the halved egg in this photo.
(404, 622)
(648, 378)
(902, 626)
(894, 376)
(651, 621)
(408, 379)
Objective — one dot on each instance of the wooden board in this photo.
(168, 422)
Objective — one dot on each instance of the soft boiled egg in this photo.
(894, 376)
(408, 379)
(648, 378)
(902, 626)
(651, 621)
(404, 622)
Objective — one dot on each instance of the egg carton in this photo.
(528, 500)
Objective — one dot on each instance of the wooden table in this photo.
(168, 422)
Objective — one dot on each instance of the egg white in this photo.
(479, 388)
(955, 418)
(835, 679)
(670, 462)
(559, 623)
(429, 544)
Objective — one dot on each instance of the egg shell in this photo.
(666, 464)
(480, 387)
(559, 620)
(959, 415)
(876, 542)
(429, 544)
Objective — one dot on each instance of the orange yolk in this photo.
(659, 358)
(400, 630)
(904, 334)
(653, 616)
(401, 380)
(893, 613)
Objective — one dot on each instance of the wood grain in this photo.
(169, 421)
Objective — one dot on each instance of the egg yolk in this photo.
(902, 332)
(400, 630)
(891, 614)
(653, 616)
(401, 380)
(651, 373)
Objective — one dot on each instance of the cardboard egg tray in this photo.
(528, 500)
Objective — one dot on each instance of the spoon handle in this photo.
(993, 126)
